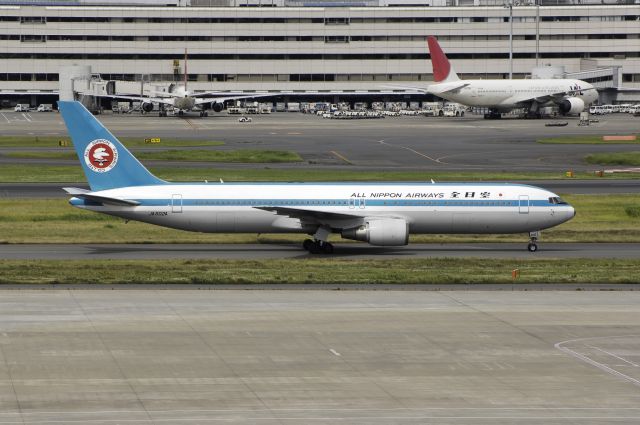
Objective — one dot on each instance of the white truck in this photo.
(22, 107)
(45, 107)
(453, 110)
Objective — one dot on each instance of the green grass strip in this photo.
(586, 140)
(240, 156)
(53, 141)
(27, 173)
(614, 158)
(429, 271)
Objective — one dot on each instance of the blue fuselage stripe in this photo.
(355, 202)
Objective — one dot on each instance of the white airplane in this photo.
(570, 95)
(383, 214)
(182, 100)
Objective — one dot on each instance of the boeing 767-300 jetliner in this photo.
(382, 214)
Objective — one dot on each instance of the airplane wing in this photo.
(335, 220)
(553, 97)
(86, 194)
(221, 99)
(162, 100)
(301, 212)
(18, 92)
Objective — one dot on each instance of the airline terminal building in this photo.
(316, 49)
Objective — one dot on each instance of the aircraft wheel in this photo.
(307, 244)
(462, 114)
(327, 248)
(206, 114)
(532, 247)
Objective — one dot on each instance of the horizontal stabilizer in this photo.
(89, 196)
(447, 87)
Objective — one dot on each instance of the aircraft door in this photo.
(523, 204)
(176, 203)
(357, 203)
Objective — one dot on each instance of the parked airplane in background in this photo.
(378, 213)
(571, 96)
(181, 100)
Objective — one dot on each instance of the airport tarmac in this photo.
(355, 251)
(415, 143)
(319, 357)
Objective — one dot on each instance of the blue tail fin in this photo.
(105, 161)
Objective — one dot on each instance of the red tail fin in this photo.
(441, 65)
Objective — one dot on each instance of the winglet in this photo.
(442, 69)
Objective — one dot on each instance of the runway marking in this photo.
(382, 142)
(5, 117)
(314, 409)
(26, 117)
(334, 352)
(617, 357)
(303, 419)
(342, 157)
(191, 124)
(294, 133)
(592, 362)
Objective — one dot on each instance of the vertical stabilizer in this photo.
(442, 69)
(107, 164)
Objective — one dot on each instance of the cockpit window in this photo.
(557, 200)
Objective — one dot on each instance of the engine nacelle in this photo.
(572, 105)
(381, 232)
(217, 106)
(147, 106)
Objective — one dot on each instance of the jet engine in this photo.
(381, 232)
(572, 105)
(147, 106)
(217, 106)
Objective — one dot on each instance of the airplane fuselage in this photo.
(505, 95)
(426, 208)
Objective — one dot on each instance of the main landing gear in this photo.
(319, 244)
(204, 114)
(533, 238)
(493, 114)
(317, 247)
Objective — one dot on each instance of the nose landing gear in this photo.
(533, 238)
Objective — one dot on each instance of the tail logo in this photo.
(100, 155)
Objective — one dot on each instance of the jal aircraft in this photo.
(571, 96)
(383, 214)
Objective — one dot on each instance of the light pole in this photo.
(537, 31)
(510, 6)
